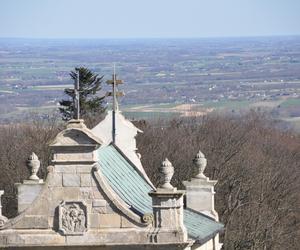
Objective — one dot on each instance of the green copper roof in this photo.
(133, 188)
(200, 226)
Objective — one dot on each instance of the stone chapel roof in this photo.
(133, 188)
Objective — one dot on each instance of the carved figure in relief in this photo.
(73, 218)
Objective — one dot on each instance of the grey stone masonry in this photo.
(75, 209)
(27, 193)
(168, 214)
(200, 190)
(167, 203)
(75, 145)
(29, 189)
(200, 196)
(71, 180)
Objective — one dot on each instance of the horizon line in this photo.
(150, 38)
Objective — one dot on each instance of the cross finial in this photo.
(77, 97)
(115, 94)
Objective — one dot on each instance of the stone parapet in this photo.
(167, 203)
(168, 216)
(200, 196)
(28, 191)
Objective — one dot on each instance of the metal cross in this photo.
(77, 97)
(115, 94)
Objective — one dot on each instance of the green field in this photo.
(51, 87)
(150, 115)
(291, 103)
(227, 104)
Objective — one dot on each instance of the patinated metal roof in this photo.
(133, 188)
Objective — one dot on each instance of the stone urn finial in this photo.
(200, 162)
(3, 219)
(166, 171)
(33, 165)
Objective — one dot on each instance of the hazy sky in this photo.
(148, 18)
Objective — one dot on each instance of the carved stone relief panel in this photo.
(73, 218)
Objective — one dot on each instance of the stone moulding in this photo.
(73, 219)
(76, 135)
(118, 202)
(148, 218)
(75, 144)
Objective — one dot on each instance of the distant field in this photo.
(172, 109)
(51, 87)
(149, 115)
(290, 103)
(22, 112)
(267, 104)
(227, 104)
(162, 78)
(295, 123)
(6, 91)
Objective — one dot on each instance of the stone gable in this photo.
(82, 204)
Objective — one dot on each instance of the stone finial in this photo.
(166, 172)
(200, 162)
(3, 219)
(33, 165)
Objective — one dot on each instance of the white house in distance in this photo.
(98, 196)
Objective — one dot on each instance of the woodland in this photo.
(256, 165)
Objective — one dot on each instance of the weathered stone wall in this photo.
(76, 209)
(70, 208)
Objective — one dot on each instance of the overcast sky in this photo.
(148, 18)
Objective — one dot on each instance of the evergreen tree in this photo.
(90, 103)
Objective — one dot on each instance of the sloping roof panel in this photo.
(200, 227)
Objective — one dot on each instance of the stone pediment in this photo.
(73, 137)
(76, 134)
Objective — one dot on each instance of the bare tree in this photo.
(256, 165)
